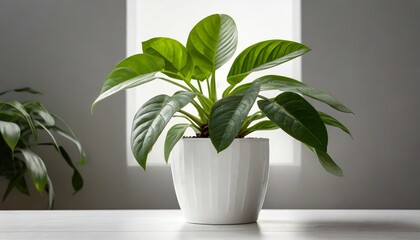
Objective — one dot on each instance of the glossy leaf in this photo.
(262, 126)
(36, 168)
(151, 119)
(327, 162)
(178, 63)
(131, 72)
(41, 111)
(10, 133)
(70, 136)
(263, 55)
(175, 133)
(25, 115)
(329, 120)
(227, 116)
(285, 84)
(200, 74)
(212, 41)
(49, 134)
(298, 118)
(76, 179)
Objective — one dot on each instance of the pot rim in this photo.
(236, 139)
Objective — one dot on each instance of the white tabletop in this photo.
(169, 224)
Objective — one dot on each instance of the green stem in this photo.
(193, 124)
(213, 96)
(208, 86)
(262, 97)
(248, 120)
(199, 87)
(227, 90)
(192, 117)
(175, 83)
(203, 114)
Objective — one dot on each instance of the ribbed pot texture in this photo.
(220, 188)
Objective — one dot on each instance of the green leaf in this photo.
(200, 74)
(298, 118)
(17, 181)
(227, 116)
(329, 120)
(51, 193)
(178, 63)
(327, 162)
(49, 133)
(25, 115)
(71, 137)
(25, 89)
(212, 41)
(41, 111)
(263, 55)
(260, 126)
(285, 84)
(172, 137)
(263, 125)
(131, 72)
(10, 132)
(76, 180)
(151, 119)
(36, 168)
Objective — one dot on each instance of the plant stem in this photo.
(213, 96)
(260, 96)
(175, 83)
(208, 86)
(199, 86)
(204, 116)
(192, 117)
(193, 124)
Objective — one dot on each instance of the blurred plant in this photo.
(20, 125)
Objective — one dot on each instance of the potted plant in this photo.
(25, 126)
(220, 176)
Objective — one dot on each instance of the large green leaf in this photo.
(132, 71)
(285, 84)
(11, 133)
(228, 114)
(172, 137)
(178, 63)
(264, 55)
(298, 118)
(151, 119)
(212, 41)
(329, 120)
(36, 168)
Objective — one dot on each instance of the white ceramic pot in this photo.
(220, 188)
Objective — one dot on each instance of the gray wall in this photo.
(365, 52)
